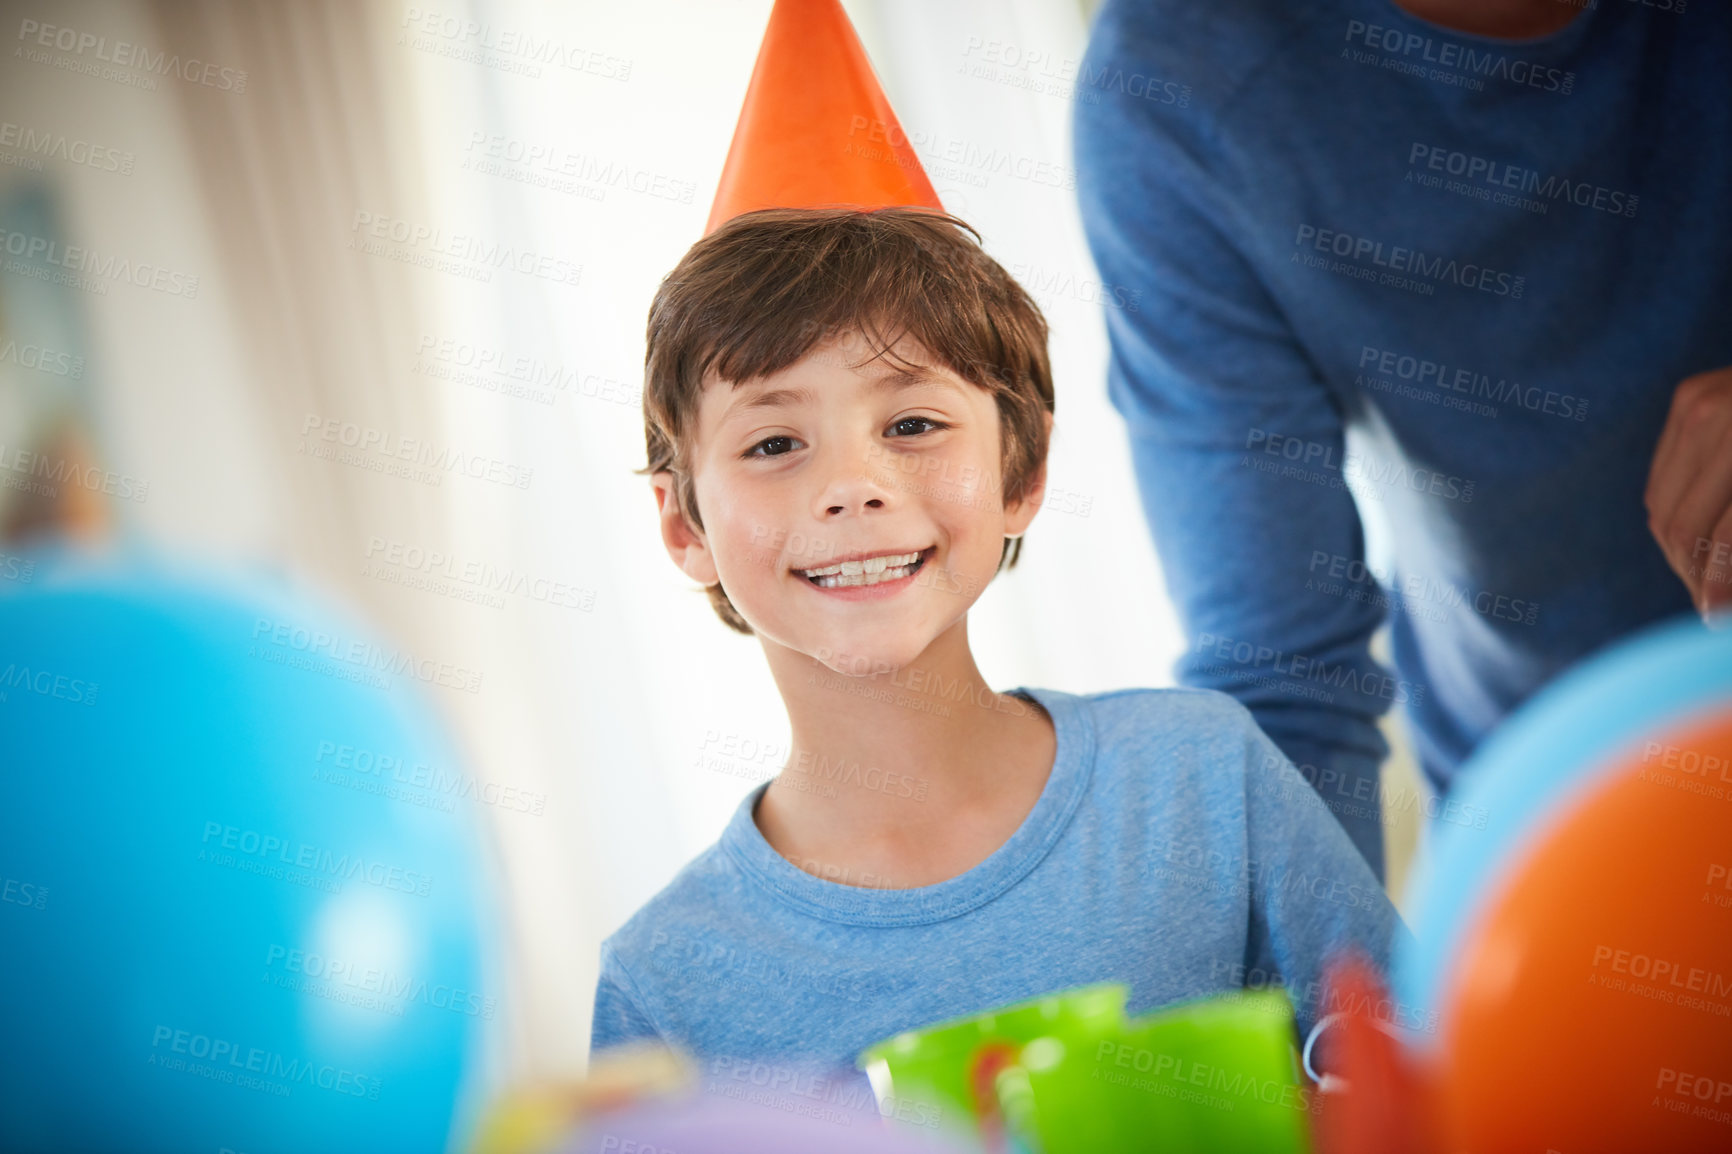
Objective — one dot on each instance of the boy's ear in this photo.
(685, 544)
(1020, 513)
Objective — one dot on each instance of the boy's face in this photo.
(852, 511)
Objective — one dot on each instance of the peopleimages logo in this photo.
(363, 656)
(1316, 461)
(1497, 176)
(231, 1061)
(56, 471)
(384, 445)
(58, 146)
(127, 55)
(978, 160)
(1218, 1087)
(1044, 282)
(1416, 587)
(413, 566)
(42, 359)
(473, 40)
(1415, 263)
(493, 154)
(1299, 667)
(471, 256)
(352, 981)
(278, 852)
(1441, 376)
(1456, 62)
(47, 683)
(103, 267)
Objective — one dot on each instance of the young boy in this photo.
(847, 415)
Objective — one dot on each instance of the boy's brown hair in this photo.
(764, 289)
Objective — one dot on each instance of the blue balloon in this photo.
(243, 891)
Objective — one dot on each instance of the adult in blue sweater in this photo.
(1467, 260)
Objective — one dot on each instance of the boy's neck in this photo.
(904, 778)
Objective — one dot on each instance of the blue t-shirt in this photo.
(1173, 848)
(1492, 261)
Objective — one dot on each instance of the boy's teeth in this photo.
(870, 571)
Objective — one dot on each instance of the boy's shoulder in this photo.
(702, 892)
(1140, 701)
(1165, 748)
(1153, 720)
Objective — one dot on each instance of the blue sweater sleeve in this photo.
(1218, 393)
(617, 1018)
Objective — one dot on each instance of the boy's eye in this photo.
(771, 447)
(910, 426)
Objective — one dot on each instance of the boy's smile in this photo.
(851, 577)
(851, 504)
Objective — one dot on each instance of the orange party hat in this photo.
(816, 128)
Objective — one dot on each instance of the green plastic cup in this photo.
(1218, 1074)
(948, 1071)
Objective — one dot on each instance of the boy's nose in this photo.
(873, 503)
(852, 485)
(851, 495)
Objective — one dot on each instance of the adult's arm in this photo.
(1215, 388)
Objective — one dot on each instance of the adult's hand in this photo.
(1689, 495)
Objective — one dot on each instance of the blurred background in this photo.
(358, 291)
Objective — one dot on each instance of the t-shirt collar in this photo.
(1073, 764)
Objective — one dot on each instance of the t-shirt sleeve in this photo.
(1312, 896)
(618, 1018)
(1230, 427)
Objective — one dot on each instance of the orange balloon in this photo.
(816, 128)
(1591, 1007)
